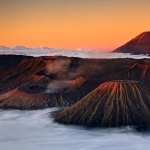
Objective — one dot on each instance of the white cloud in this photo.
(70, 53)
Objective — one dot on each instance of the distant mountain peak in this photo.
(143, 38)
(2, 47)
(138, 45)
(20, 47)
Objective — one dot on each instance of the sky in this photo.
(96, 24)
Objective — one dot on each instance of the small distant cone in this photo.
(112, 104)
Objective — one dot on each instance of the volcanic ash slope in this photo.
(112, 104)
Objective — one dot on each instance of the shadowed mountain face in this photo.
(33, 83)
(112, 104)
(138, 45)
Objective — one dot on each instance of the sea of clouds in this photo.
(82, 53)
(35, 130)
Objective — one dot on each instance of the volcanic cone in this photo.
(112, 104)
(138, 45)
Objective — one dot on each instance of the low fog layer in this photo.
(35, 130)
(70, 53)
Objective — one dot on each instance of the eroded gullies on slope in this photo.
(112, 104)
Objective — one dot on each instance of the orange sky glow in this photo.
(96, 24)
